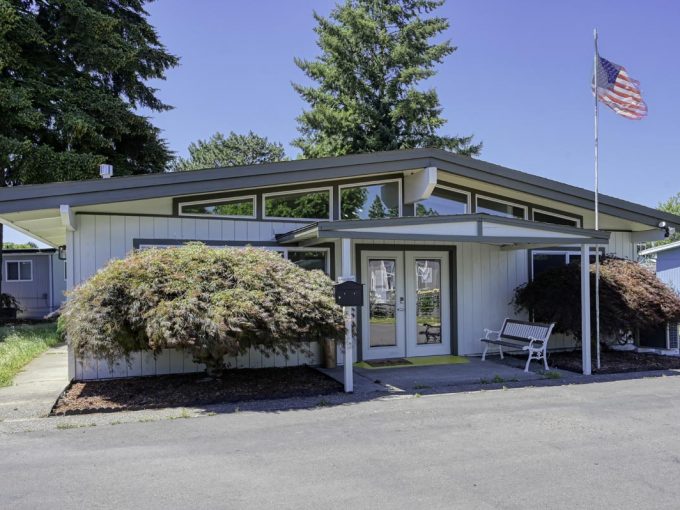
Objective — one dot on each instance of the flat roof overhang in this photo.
(120, 189)
(508, 233)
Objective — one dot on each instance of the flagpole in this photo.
(597, 212)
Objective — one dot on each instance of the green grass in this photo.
(552, 374)
(21, 344)
(383, 320)
(68, 426)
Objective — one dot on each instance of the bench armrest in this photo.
(532, 340)
(489, 332)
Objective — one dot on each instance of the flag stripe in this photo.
(619, 100)
(631, 108)
(625, 95)
(627, 112)
(624, 113)
(624, 101)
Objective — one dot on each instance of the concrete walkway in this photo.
(444, 377)
(36, 387)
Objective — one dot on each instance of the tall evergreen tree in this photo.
(234, 150)
(73, 74)
(374, 55)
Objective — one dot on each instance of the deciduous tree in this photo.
(233, 150)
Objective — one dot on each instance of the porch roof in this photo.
(509, 233)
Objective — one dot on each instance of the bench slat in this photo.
(504, 343)
(522, 330)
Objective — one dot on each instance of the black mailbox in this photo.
(349, 294)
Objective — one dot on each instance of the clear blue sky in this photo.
(520, 81)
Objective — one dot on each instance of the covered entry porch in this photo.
(418, 288)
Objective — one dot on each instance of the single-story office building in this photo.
(429, 234)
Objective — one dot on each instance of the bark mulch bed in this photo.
(615, 362)
(193, 389)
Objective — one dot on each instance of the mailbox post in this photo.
(349, 293)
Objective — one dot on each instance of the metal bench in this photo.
(433, 333)
(524, 335)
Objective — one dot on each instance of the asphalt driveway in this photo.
(604, 445)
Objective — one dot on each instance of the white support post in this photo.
(585, 309)
(347, 311)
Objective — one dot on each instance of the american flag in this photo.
(619, 91)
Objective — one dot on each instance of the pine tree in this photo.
(73, 74)
(374, 55)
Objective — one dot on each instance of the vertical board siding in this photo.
(100, 238)
(486, 278)
(621, 244)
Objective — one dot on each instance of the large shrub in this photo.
(213, 302)
(631, 298)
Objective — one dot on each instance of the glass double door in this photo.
(407, 304)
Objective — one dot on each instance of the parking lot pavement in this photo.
(602, 445)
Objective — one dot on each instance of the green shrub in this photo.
(9, 301)
(631, 298)
(212, 302)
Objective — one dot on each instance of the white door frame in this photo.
(397, 350)
(405, 314)
(412, 346)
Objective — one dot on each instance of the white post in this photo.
(585, 309)
(597, 213)
(347, 311)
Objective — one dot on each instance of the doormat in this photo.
(394, 362)
(421, 361)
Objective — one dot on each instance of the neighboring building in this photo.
(437, 239)
(36, 278)
(667, 262)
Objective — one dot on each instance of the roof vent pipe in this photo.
(105, 171)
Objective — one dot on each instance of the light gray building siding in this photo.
(36, 278)
(668, 267)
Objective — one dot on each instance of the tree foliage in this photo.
(19, 246)
(672, 205)
(72, 75)
(374, 55)
(234, 150)
(311, 204)
(631, 298)
(213, 302)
